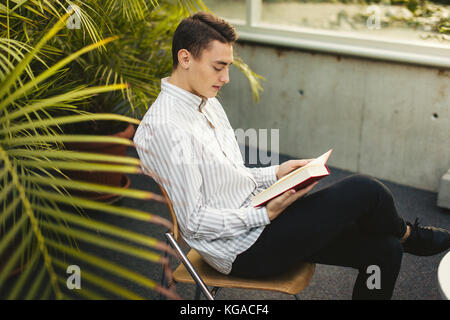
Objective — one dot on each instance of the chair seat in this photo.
(291, 282)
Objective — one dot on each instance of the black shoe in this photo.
(426, 241)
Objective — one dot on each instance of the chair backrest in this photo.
(172, 213)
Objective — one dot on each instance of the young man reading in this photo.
(187, 140)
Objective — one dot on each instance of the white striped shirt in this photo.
(198, 162)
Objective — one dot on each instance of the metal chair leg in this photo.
(189, 267)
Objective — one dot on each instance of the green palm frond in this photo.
(53, 78)
(252, 77)
(141, 57)
(40, 14)
(40, 216)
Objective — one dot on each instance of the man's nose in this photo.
(225, 77)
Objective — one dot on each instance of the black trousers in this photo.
(352, 223)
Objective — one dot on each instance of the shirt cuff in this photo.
(258, 217)
(266, 176)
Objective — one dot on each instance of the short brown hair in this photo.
(197, 31)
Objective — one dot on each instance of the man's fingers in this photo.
(289, 193)
(304, 191)
(297, 194)
(312, 185)
(296, 162)
(299, 163)
(286, 195)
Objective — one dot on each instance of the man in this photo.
(187, 140)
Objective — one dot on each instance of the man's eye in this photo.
(217, 69)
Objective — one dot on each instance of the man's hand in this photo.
(277, 205)
(289, 166)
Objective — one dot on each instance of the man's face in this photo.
(210, 72)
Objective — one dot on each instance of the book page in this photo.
(322, 159)
(319, 161)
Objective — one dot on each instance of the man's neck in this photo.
(180, 81)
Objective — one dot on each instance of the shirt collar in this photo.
(187, 97)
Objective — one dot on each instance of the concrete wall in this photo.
(385, 119)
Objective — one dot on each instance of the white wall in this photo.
(385, 119)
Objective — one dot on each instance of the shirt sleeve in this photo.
(265, 176)
(172, 153)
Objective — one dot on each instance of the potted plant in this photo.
(37, 208)
(49, 90)
(140, 58)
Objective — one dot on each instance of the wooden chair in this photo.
(193, 269)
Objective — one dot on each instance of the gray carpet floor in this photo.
(417, 279)
(418, 275)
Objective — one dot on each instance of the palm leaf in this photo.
(37, 207)
(49, 84)
(252, 77)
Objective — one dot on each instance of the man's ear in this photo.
(184, 58)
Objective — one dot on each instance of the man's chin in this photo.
(207, 95)
(210, 95)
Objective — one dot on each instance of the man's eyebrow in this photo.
(222, 62)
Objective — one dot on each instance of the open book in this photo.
(297, 179)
